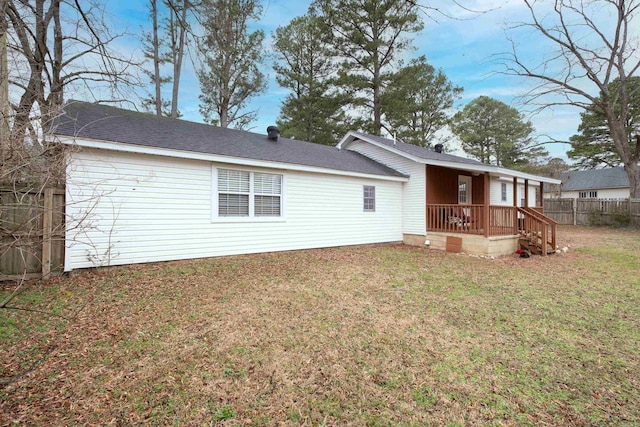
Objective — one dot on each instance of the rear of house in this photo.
(144, 189)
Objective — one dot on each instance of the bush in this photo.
(595, 217)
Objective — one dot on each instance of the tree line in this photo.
(346, 64)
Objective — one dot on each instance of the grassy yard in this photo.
(371, 335)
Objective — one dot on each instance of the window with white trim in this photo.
(464, 190)
(588, 194)
(369, 198)
(503, 191)
(248, 194)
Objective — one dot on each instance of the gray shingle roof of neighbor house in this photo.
(420, 152)
(594, 179)
(107, 123)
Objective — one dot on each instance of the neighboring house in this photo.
(143, 189)
(608, 183)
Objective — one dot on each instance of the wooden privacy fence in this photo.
(32, 231)
(594, 211)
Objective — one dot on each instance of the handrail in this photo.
(540, 226)
(540, 216)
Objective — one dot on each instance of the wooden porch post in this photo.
(542, 196)
(487, 201)
(47, 223)
(515, 205)
(526, 193)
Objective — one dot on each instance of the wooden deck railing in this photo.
(538, 229)
(470, 219)
(529, 223)
(466, 219)
(502, 221)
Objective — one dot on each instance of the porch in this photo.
(491, 230)
(459, 210)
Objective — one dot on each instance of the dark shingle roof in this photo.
(416, 151)
(101, 122)
(594, 179)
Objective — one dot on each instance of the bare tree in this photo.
(166, 44)
(151, 45)
(57, 45)
(178, 27)
(53, 47)
(594, 45)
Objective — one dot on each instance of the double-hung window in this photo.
(503, 191)
(369, 198)
(267, 193)
(247, 194)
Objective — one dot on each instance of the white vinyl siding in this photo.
(414, 194)
(128, 208)
(498, 190)
(603, 193)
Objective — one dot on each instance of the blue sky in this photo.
(464, 45)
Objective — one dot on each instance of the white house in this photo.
(607, 183)
(143, 189)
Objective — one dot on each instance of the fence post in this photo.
(574, 205)
(47, 224)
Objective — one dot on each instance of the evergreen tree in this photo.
(593, 146)
(368, 38)
(232, 54)
(416, 102)
(495, 133)
(312, 111)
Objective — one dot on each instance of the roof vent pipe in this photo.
(438, 148)
(273, 133)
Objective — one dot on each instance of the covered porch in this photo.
(486, 213)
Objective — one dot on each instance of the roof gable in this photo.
(412, 150)
(107, 123)
(431, 157)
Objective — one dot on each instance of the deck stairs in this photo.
(537, 232)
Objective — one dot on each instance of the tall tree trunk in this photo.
(177, 63)
(156, 57)
(55, 98)
(4, 80)
(620, 136)
(633, 173)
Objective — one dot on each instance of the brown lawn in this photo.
(370, 335)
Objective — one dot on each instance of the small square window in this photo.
(369, 193)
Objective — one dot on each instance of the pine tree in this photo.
(232, 54)
(416, 102)
(593, 146)
(368, 37)
(312, 111)
(495, 133)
